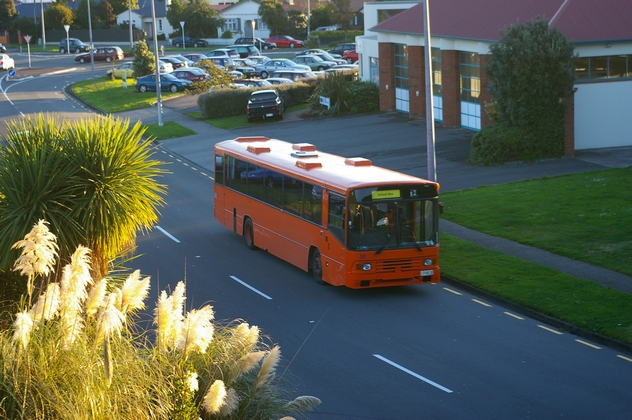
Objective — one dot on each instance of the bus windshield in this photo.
(393, 217)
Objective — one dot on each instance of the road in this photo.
(419, 352)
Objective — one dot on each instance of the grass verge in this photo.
(237, 121)
(169, 130)
(586, 217)
(583, 303)
(110, 97)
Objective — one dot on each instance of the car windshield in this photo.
(268, 96)
(393, 217)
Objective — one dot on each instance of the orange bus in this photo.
(344, 220)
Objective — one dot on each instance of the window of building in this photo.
(401, 66)
(606, 67)
(382, 15)
(160, 25)
(374, 70)
(437, 100)
(231, 25)
(470, 84)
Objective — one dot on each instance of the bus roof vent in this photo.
(258, 149)
(249, 139)
(308, 165)
(358, 161)
(300, 154)
(304, 147)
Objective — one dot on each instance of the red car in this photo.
(285, 41)
(193, 74)
(102, 54)
(350, 56)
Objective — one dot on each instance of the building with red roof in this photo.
(392, 55)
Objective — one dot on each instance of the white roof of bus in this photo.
(324, 168)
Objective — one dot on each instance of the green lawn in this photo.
(110, 97)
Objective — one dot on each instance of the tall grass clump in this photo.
(75, 352)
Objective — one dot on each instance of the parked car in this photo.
(258, 59)
(107, 54)
(168, 83)
(195, 57)
(6, 62)
(285, 41)
(194, 74)
(341, 48)
(222, 62)
(270, 66)
(318, 51)
(350, 56)
(165, 67)
(176, 63)
(326, 28)
(74, 45)
(189, 42)
(257, 42)
(279, 81)
(314, 62)
(118, 71)
(3, 49)
(245, 50)
(296, 75)
(252, 82)
(182, 58)
(264, 104)
(245, 66)
(223, 52)
(349, 70)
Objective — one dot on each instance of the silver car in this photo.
(270, 66)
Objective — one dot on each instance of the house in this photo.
(238, 19)
(142, 18)
(392, 55)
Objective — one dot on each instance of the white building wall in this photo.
(602, 115)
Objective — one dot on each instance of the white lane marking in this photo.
(243, 283)
(588, 344)
(514, 315)
(550, 330)
(170, 236)
(480, 302)
(410, 372)
(624, 358)
(452, 291)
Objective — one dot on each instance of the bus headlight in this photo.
(428, 262)
(366, 267)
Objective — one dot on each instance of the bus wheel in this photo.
(249, 235)
(317, 267)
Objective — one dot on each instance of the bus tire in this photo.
(316, 266)
(249, 234)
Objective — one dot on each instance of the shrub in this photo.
(313, 41)
(366, 97)
(346, 97)
(144, 61)
(74, 352)
(227, 35)
(228, 102)
(499, 143)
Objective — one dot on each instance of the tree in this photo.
(530, 70)
(24, 25)
(93, 180)
(58, 14)
(105, 14)
(7, 13)
(81, 14)
(343, 14)
(201, 20)
(144, 60)
(119, 6)
(322, 15)
(217, 77)
(530, 73)
(273, 15)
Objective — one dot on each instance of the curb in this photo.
(558, 323)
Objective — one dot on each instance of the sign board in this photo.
(27, 38)
(11, 73)
(324, 101)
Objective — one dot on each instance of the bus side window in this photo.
(336, 216)
(293, 197)
(219, 169)
(273, 188)
(312, 207)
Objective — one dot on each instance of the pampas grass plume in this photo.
(214, 398)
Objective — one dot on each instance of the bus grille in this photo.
(398, 266)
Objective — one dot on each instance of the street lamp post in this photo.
(184, 45)
(430, 132)
(91, 44)
(43, 26)
(67, 28)
(158, 88)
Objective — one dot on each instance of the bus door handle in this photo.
(321, 235)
